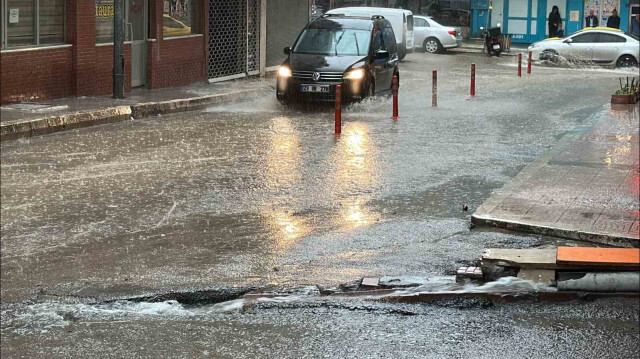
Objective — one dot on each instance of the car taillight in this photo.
(453, 32)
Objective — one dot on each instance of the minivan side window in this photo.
(389, 39)
(377, 41)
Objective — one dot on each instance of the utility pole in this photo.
(118, 49)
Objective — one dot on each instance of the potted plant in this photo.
(629, 93)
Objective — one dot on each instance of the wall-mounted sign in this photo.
(14, 16)
(167, 7)
(574, 16)
(104, 8)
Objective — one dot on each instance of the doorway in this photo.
(137, 15)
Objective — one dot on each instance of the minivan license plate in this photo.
(315, 88)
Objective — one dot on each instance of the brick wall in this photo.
(177, 61)
(85, 69)
(32, 75)
(101, 83)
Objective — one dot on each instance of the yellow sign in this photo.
(104, 10)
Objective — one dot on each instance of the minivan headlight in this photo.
(357, 74)
(284, 71)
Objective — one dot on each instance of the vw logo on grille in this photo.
(315, 76)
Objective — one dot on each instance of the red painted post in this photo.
(519, 65)
(434, 91)
(338, 116)
(529, 64)
(473, 79)
(395, 98)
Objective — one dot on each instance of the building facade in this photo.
(62, 48)
(526, 20)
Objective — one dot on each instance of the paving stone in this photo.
(586, 188)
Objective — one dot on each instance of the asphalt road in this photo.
(251, 193)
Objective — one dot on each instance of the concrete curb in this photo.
(52, 124)
(600, 238)
(182, 105)
(46, 125)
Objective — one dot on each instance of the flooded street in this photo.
(251, 193)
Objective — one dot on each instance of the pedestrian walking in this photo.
(635, 25)
(591, 20)
(555, 21)
(614, 20)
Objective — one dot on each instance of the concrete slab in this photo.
(600, 257)
(370, 282)
(522, 258)
(586, 188)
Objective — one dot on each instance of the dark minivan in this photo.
(358, 53)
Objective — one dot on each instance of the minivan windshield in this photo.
(333, 42)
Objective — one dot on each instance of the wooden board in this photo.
(599, 257)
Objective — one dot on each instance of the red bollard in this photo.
(395, 98)
(473, 79)
(519, 65)
(529, 64)
(338, 110)
(434, 92)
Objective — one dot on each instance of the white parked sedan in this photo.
(600, 45)
(433, 37)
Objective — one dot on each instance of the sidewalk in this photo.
(586, 188)
(477, 45)
(47, 116)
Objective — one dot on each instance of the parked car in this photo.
(401, 20)
(600, 45)
(359, 53)
(433, 37)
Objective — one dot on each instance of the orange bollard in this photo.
(434, 91)
(473, 79)
(519, 65)
(529, 64)
(338, 114)
(395, 98)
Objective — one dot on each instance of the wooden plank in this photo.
(600, 257)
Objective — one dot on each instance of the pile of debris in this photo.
(567, 268)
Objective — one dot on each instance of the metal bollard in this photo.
(529, 64)
(473, 79)
(338, 115)
(434, 91)
(519, 65)
(395, 98)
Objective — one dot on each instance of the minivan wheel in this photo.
(626, 61)
(432, 45)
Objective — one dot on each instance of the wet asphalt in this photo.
(251, 193)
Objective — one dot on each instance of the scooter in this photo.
(493, 41)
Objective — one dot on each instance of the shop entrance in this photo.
(137, 15)
(234, 39)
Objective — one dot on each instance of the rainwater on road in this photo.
(251, 193)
